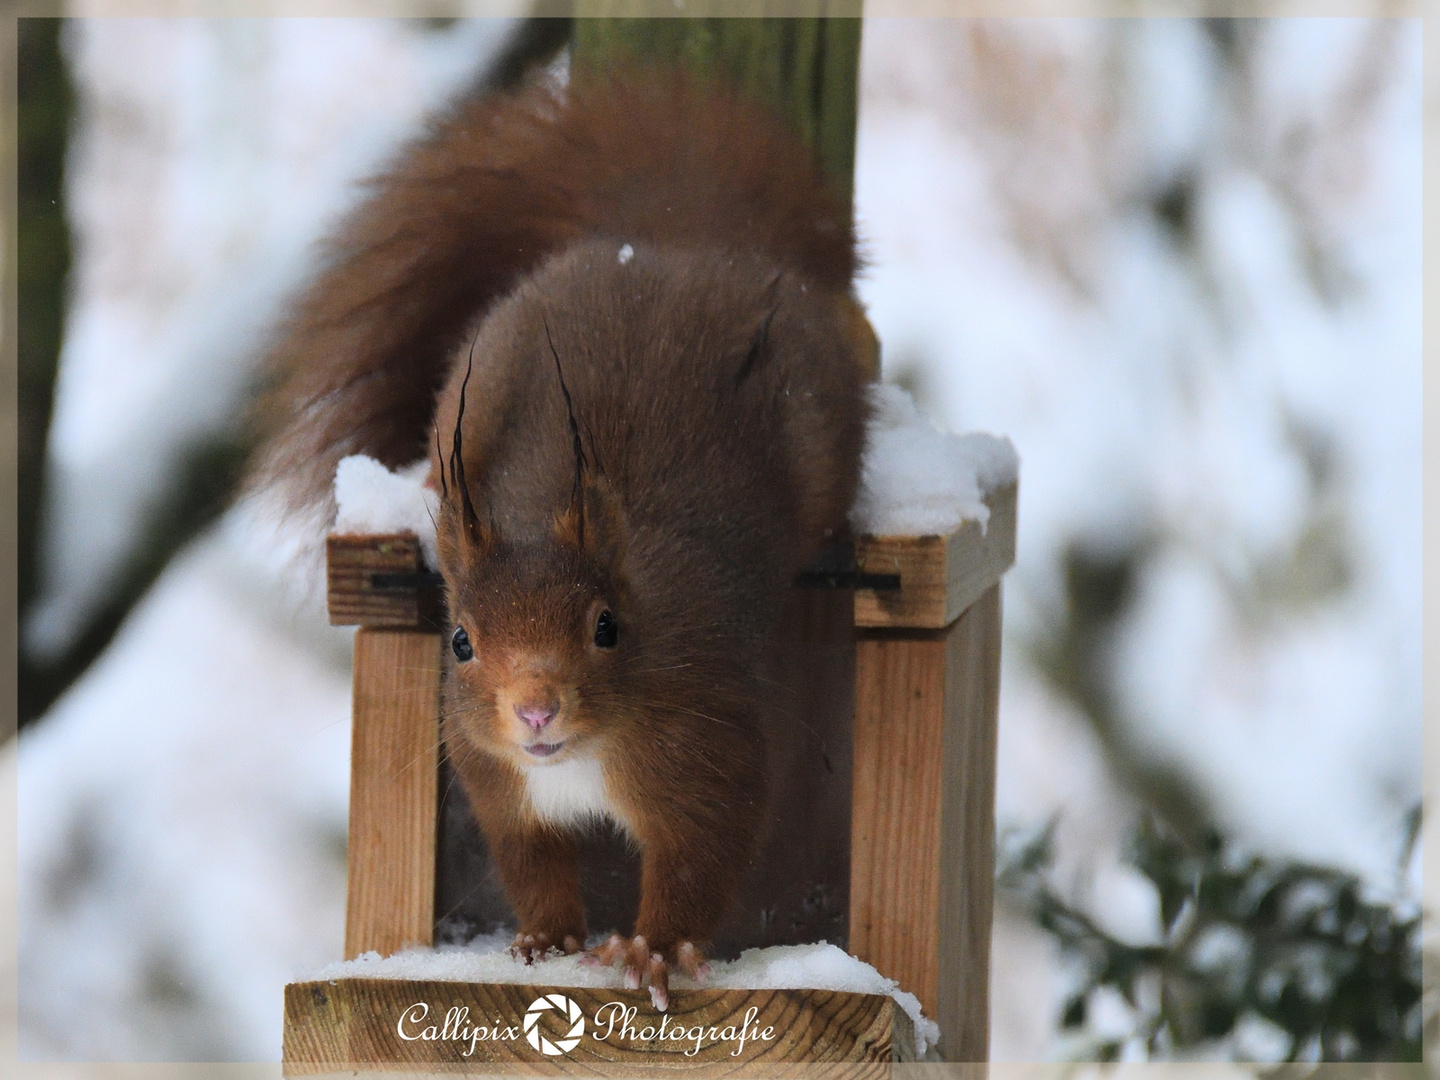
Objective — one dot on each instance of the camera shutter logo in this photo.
(566, 1008)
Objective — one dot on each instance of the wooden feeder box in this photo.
(881, 832)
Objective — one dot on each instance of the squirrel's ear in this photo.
(594, 522)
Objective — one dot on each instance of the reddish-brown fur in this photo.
(716, 390)
(500, 185)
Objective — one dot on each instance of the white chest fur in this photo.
(570, 792)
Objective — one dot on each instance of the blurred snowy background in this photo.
(1176, 262)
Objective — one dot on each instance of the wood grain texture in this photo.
(967, 830)
(895, 821)
(394, 763)
(922, 840)
(356, 1024)
(940, 576)
(352, 561)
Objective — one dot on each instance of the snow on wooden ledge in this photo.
(935, 510)
(461, 1006)
(487, 959)
(915, 480)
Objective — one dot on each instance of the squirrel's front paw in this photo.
(532, 945)
(644, 965)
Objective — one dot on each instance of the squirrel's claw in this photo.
(530, 946)
(644, 967)
(692, 962)
(608, 953)
(659, 973)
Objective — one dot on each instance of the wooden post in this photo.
(394, 765)
(922, 837)
(967, 829)
(394, 743)
(805, 69)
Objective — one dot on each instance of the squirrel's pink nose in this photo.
(537, 716)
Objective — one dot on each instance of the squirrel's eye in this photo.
(606, 630)
(460, 644)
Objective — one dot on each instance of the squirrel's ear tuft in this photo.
(570, 526)
(594, 523)
(462, 535)
(479, 534)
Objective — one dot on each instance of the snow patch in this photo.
(372, 499)
(917, 480)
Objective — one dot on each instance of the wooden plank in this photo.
(922, 842)
(394, 763)
(895, 831)
(967, 830)
(357, 1024)
(940, 576)
(353, 595)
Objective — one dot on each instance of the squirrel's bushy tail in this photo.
(497, 186)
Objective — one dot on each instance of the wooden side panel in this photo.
(967, 830)
(895, 832)
(352, 1023)
(394, 763)
(923, 838)
(977, 563)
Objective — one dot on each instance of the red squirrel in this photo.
(618, 316)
